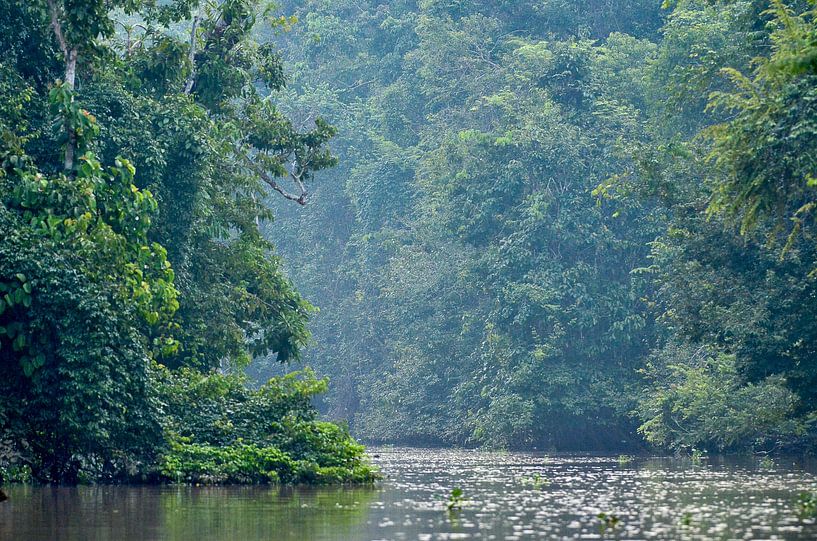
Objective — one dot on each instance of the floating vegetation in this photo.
(455, 500)
(537, 481)
(16, 474)
(767, 463)
(609, 521)
(686, 519)
(625, 459)
(697, 456)
(807, 505)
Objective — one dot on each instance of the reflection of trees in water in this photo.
(79, 513)
(183, 513)
(251, 513)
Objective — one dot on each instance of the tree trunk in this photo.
(191, 79)
(70, 78)
(71, 68)
(70, 54)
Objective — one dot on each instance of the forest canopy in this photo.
(139, 142)
(530, 225)
(562, 225)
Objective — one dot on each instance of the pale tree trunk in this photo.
(191, 79)
(70, 78)
(71, 68)
(70, 54)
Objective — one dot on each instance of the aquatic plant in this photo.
(537, 481)
(807, 505)
(609, 521)
(16, 473)
(455, 499)
(625, 459)
(241, 463)
(221, 431)
(767, 463)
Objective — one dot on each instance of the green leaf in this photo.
(28, 368)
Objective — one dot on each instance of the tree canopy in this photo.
(140, 140)
(530, 224)
(556, 222)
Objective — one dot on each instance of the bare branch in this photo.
(130, 45)
(298, 181)
(272, 182)
(357, 85)
(298, 177)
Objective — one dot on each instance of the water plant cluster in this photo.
(807, 505)
(225, 432)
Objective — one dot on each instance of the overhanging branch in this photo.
(273, 183)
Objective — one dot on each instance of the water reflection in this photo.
(507, 496)
(183, 513)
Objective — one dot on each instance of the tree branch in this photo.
(298, 178)
(272, 183)
(55, 24)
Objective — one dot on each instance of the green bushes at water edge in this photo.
(250, 464)
(222, 431)
(213, 428)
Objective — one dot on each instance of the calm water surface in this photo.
(508, 496)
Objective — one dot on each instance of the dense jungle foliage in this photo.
(138, 142)
(546, 224)
(562, 225)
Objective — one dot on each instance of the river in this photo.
(505, 496)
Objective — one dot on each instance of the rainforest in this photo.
(561, 225)
(241, 239)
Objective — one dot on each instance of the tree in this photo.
(108, 267)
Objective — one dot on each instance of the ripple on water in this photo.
(506, 497)
(655, 498)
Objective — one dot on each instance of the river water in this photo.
(505, 496)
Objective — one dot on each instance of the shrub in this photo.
(699, 400)
(222, 431)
